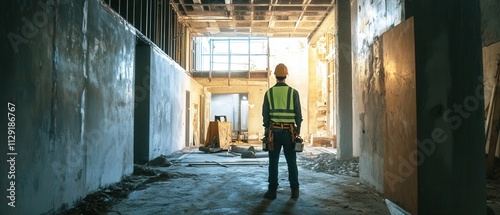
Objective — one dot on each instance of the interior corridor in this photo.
(402, 97)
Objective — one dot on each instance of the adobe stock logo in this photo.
(30, 27)
(454, 118)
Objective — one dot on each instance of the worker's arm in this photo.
(265, 115)
(298, 111)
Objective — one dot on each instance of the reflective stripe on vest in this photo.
(281, 110)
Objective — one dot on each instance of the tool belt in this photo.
(282, 126)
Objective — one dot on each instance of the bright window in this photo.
(223, 54)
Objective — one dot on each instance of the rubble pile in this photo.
(328, 163)
(102, 200)
(160, 161)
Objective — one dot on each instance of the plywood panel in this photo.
(400, 150)
(221, 131)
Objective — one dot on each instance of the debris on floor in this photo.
(239, 149)
(347, 193)
(160, 161)
(102, 200)
(238, 188)
(243, 151)
(328, 163)
(210, 149)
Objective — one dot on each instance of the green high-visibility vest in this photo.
(281, 104)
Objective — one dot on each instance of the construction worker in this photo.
(282, 115)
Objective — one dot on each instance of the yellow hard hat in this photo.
(281, 70)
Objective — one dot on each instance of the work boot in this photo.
(270, 194)
(295, 193)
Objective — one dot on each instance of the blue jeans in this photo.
(283, 138)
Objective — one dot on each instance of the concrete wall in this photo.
(69, 69)
(161, 114)
(73, 88)
(369, 20)
(169, 84)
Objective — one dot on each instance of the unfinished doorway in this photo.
(235, 108)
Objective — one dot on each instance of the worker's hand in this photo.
(266, 132)
(298, 139)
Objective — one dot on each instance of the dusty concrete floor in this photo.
(236, 186)
(195, 182)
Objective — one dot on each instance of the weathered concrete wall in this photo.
(110, 96)
(160, 117)
(169, 83)
(73, 90)
(370, 19)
